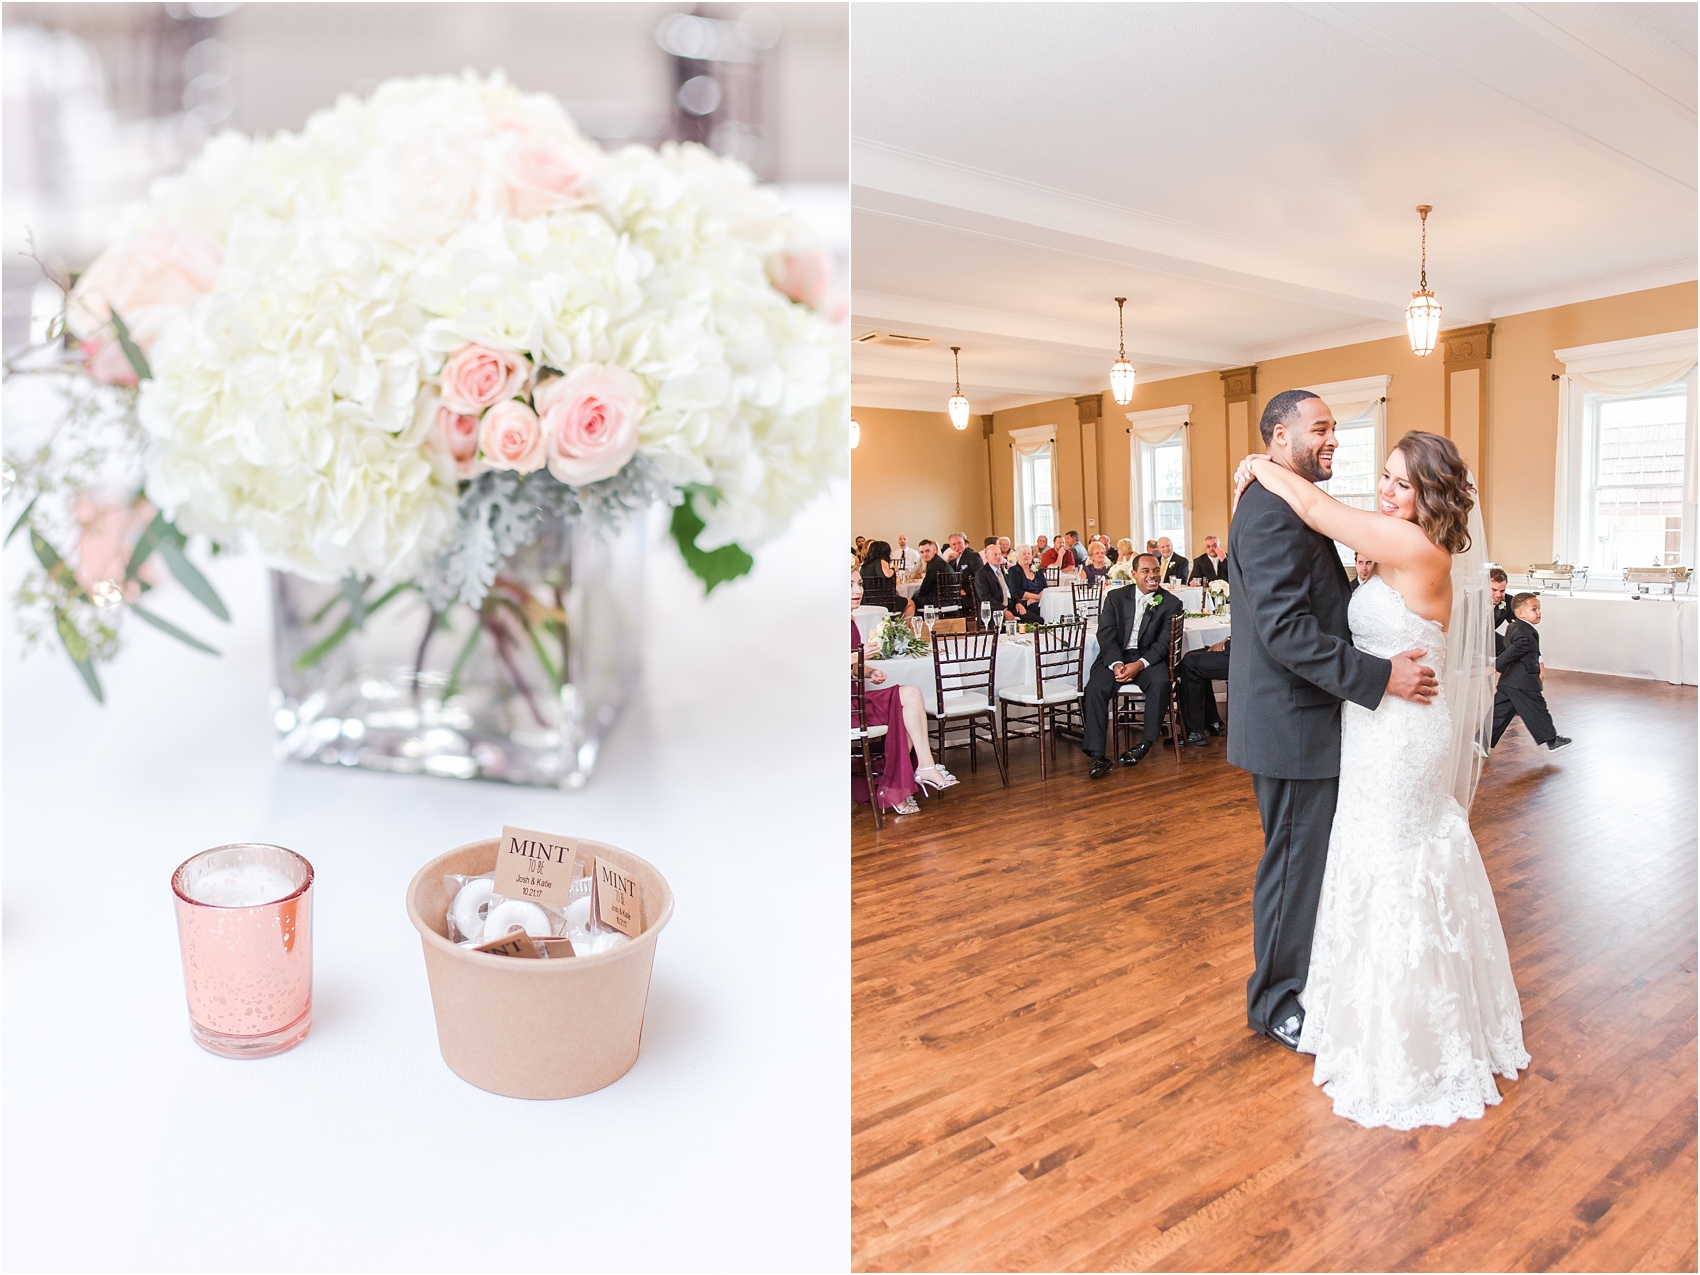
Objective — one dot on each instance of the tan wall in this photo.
(1522, 422)
(912, 473)
(934, 472)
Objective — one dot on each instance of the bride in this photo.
(1410, 1007)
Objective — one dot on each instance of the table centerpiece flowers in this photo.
(428, 358)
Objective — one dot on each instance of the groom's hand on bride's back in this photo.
(1411, 680)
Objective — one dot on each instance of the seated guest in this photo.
(1124, 551)
(1497, 581)
(1210, 565)
(1098, 565)
(1170, 565)
(860, 550)
(1040, 544)
(962, 557)
(1362, 569)
(1200, 670)
(1112, 552)
(909, 764)
(1026, 584)
(1072, 549)
(1133, 646)
(991, 585)
(933, 564)
(1004, 547)
(879, 579)
(1051, 556)
(903, 557)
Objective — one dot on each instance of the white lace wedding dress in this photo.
(1410, 1007)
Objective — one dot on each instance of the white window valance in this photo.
(1348, 400)
(1030, 441)
(1160, 424)
(1639, 365)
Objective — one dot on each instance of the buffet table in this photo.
(1652, 637)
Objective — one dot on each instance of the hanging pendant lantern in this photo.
(1422, 316)
(958, 404)
(1121, 371)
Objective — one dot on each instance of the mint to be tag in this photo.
(618, 899)
(535, 866)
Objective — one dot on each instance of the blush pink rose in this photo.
(476, 377)
(147, 280)
(543, 174)
(460, 436)
(590, 420)
(803, 276)
(511, 437)
(108, 536)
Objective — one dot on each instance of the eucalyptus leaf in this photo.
(78, 650)
(191, 578)
(145, 545)
(132, 351)
(170, 629)
(22, 518)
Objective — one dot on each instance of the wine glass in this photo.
(930, 614)
(985, 615)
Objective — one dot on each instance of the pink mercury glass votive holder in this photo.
(245, 920)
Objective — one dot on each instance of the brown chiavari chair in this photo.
(862, 735)
(880, 590)
(1053, 575)
(1088, 601)
(1058, 658)
(1130, 702)
(965, 668)
(950, 592)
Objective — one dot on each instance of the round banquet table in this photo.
(1015, 660)
(1057, 601)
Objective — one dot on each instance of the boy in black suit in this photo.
(1520, 669)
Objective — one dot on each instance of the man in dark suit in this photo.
(1170, 565)
(991, 585)
(928, 593)
(1200, 671)
(1362, 568)
(1502, 617)
(1210, 565)
(1133, 646)
(1291, 663)
(1520, 693)
(966, 561)
(1072, 549)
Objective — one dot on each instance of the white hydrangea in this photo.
(296, 401)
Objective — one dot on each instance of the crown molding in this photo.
(1595, 289)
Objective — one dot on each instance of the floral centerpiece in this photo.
(430, 355)
(896, 637)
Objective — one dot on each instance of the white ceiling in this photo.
(1246, 175)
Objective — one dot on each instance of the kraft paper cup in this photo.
(536, 1028)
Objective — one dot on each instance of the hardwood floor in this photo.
(1052, 1069)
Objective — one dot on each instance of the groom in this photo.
(1290, 664)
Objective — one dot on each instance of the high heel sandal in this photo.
(944, 778)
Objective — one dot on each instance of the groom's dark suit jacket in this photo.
(1292, 660)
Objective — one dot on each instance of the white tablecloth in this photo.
(1653, 638)
(910, 589)
(724, 1148)
(867, 619)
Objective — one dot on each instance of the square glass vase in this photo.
(522, 689)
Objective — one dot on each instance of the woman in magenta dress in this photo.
(902, 711)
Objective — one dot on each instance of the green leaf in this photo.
(460, 660)
(54, 565)
(166, 627)
(313, 654)
(712, 566)
(78, 650)
(191, 578)
(132, 351)
(22, 518)
(145, 546)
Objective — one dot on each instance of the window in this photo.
(1038, 515)
(1165, 510)
(1355, 471)
(1632, 511)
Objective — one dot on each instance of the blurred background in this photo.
(101, 98)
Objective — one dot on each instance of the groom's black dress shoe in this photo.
(1286, 1032)
(1100, 766)
(1131, 756)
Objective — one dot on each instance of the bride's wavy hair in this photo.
(1443, 489)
